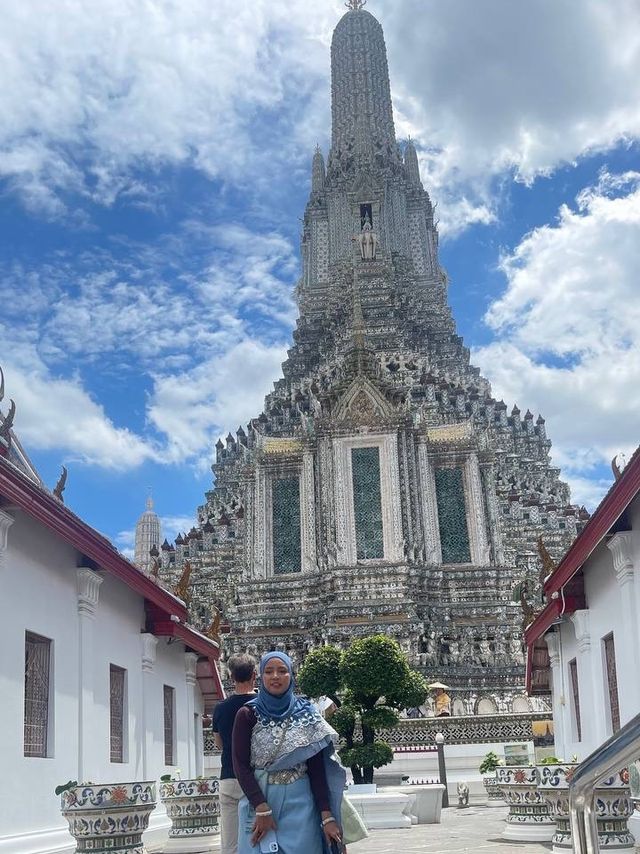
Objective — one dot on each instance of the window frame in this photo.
(123, 754)
(46, 719)
(169, 727)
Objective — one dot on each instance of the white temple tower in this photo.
(147, 536)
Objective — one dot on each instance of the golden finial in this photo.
(60, 485)
(182, 587)
(548, 565)
(356, 5)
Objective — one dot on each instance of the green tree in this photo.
(370, 683)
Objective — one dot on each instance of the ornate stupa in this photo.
(382, 488)
(147, 542)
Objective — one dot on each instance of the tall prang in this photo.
(383, 488)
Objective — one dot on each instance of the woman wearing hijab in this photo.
(283, 758)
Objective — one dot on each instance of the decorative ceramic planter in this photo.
(554, 788)
(613, 807)
(493, 790)
(193, 807)
(528, 819)
(109, 818)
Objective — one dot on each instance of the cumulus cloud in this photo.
(241, 91)
(58, 413)
(209, 341)
(568, 327)
(86, 96)
(217, 395)
(495, 87)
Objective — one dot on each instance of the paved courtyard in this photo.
(477, 828)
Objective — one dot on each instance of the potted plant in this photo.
(488, 766)
(193, 807)
(370, 683)
(109, 816)
(613, 805)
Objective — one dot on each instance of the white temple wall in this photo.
(40, 585)
(612, 593)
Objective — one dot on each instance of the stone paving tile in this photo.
(477, 828)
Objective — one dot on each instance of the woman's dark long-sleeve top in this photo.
(241, 751)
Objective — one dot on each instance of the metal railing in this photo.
(616, 753)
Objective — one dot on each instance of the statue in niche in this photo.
(515, 650)
(368, 241)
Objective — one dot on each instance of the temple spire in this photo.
(361, 111)
(355, 5)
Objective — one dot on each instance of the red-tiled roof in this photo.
(20, 491)
(612, 506)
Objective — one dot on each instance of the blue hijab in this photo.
(276, 708)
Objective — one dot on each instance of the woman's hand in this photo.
(262, 824)
(330, 828)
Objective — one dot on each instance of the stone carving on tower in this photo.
(383, 488)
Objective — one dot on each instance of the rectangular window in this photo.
(575, 693)
(285, 502)
(37, 671)
(117, 686)
(366, 215)
(452, 516)
(367, 502)
(612, 681)
(169, 724)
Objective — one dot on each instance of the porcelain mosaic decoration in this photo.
(109, 818)
(383, 485)
(529, 819)
(193, 807)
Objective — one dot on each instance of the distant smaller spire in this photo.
(318, 172)
(411, 163)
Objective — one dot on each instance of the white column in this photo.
(475, 512)
(308, 514)
(6, 522)
(558, 700)
(190, 662)
(89, 747)
(626, 625)
(586, 684)
(149, 644)
(433, 554)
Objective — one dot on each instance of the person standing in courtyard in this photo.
(283, 757)
(243, 673)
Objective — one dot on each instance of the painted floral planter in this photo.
(613, 806)
(493, 790)
(193, 807)
(109, 818)
(528, 819)
(554, 788)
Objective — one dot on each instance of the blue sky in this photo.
(154, 166)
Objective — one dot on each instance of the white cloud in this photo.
(86, 96)
(498, 86)
(241, 91)
(209, 343)
(569, 328)
(220, 394)
(53, 412)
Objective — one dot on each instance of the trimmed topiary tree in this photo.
(370, 682)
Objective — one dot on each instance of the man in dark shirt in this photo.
(243, 673)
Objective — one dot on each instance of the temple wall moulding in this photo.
(6, 521)
(88, 591)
